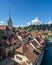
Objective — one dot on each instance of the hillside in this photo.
(39, 27)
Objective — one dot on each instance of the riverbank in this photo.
(47, 59)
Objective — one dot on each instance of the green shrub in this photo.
(34, 51)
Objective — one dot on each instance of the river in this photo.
(47, 59)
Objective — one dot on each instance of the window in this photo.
(28, 62)
(19, 58)
(14, 43)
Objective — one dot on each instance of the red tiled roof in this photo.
(27, 50)
(43, 37)
(31, 56)
(42, 42)
(20, 49)
(23, 33)
(49, 33)
(3, 27)
(38, 47)
(22, 63)
(30, 47)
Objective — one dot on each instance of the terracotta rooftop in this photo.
(43, 37)
(22, 63)
(20, 49)
(38, 47)
(34, 42)
(38, 39)
(14, 39)
(23, 33)
(3, 27)
(42, 42)
(30, 47)
(26, 50)
(49, 33)
(31, 56)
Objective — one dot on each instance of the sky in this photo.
(26, 12)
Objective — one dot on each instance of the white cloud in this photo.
(28, 23)
(1, 22)
(15, 26)
(36, 21)
(50, 22)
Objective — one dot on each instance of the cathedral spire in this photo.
(9, 21)
(9, 14)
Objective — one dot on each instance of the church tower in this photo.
(9, 22)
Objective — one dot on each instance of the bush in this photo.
(34, 51)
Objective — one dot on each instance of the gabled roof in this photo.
(31, 56)
(27, 51)
(20, 49)
(30, 47)
(23, 33)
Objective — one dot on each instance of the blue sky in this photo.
(24, 11)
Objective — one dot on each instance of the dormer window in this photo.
(19, 58)
(28, 62)
(14, 43)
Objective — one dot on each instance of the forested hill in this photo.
(39, 27)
